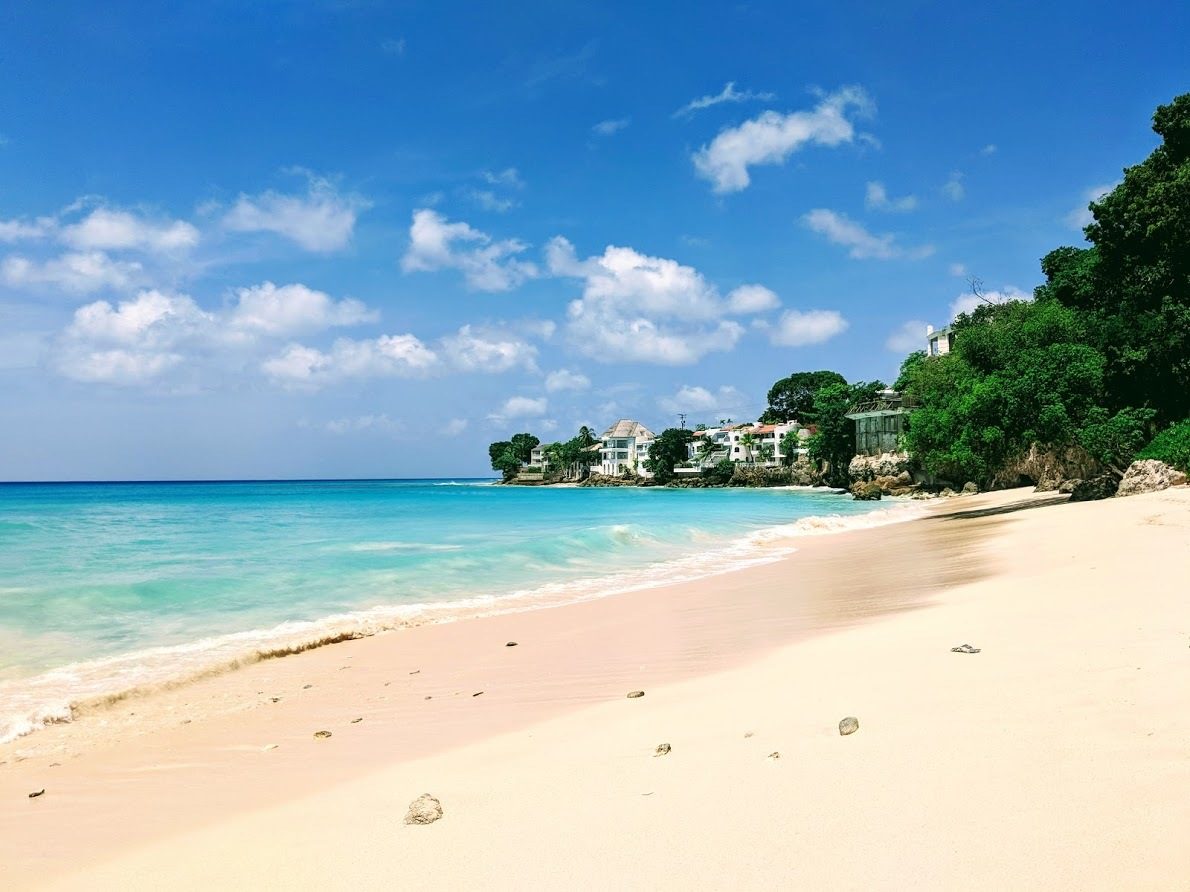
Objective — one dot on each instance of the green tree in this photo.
(748, 442)
(507, 456)
(790, 443)
(523, 445)
(833, 443)
(792, 398)
(668, 449)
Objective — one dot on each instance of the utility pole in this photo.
(682, 416)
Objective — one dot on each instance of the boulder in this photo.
(1101, 487)
(1149, 475)
(425, 809)
(970, 489)
(866, 492)
(848, 725)
(1067, 486)
(948, 493)
(869, 467)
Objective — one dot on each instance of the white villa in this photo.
(938, 341)
(748, 443)
(624, 447)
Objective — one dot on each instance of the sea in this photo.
(111, 587)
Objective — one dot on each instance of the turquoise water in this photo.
(104, 586)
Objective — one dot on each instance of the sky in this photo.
(285, 239)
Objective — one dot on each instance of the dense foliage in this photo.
(1171, 446)
(1100, 356)
(668, 449)
(507, 456)
(833, 443)
(792, 398)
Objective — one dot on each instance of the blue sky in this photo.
(283, 239)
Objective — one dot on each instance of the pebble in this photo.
(307, 687)
(632, 695)
(774, 755)
(849, 725)
(748, 733)
(965, 649)
(662, 749)
(510, 644)
(357, 721)
(321, 735)
(425, 809)
(477, 693)
(40, 792)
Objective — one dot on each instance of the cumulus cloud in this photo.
(81, 272)
(108, 229)
(839, 229)
(772, 137)
(797, 328)
(476, 350)
(611, 126)
(728, 94)
(1080, 217)
(953, 187)
(287, 310)
(486, 265)
(638, 308)
(876, 199)
(725, 401)
(520, 407)
(965, 303)
(490, 201)
(21, 230)
(564, 379)
(752, 299)
(989, 149)
(907, 337)
(387, 356)
(322, 220)
(133, 341)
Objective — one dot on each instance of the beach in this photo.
(1055, 757)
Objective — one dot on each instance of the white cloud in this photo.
(637, 308)
(965, 303)
(133, 342)
(957, 269)
(455, 426)
(861, 244)
(728, 94)
(322, 220)
(393, 46)
(473, 350)
(876, 199)
(953, 187)
(564, 379)
(772, 137)
(990, 149)
(401, 356)
(611, 126)
(290, 310)
(108, 229)
(77, 272)
(19, 230)
(907, 337)
(435, 244)
(726, 401)
(1081, 217)
(796, 328)
(520, 407)
(752, 299)
(490, 201)
(509, 177)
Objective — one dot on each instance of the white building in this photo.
(624, 447)
(537, 457)
(938, 342)
(748, 443)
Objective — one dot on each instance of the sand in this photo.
(1058, 757)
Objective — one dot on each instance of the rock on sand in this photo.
(425, 809)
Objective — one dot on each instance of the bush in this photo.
(1171, 446)
(721, 474)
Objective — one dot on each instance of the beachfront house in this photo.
(537, 457)
(938, 341)
(753, 444)
(879, 423)
(624, 447)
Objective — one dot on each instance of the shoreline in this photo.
(192, 780)
(56, 695)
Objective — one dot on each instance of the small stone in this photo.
(275, 699)
(632, 695)
(428, 697)
(848, 725)
(748, 733)
(964, 649)
(307, 687)
(477, 693)
(774, 755)
(510, 644)
(357, 721)
(321, 735)
(662, 749)
(415, 672)
(425, 809)
(40, 792)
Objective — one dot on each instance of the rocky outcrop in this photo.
(970, 489)
(1149, 475)
(605, 480)
(867, 492)
(1046, 468)
(1101, 487)
(888, 464)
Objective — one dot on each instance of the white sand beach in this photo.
(1058, 757)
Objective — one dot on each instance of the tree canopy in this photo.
(792, 398)
(668, 449)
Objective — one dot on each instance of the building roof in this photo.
(626, 427)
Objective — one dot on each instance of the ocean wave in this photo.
(402, 546)
(63, 694)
